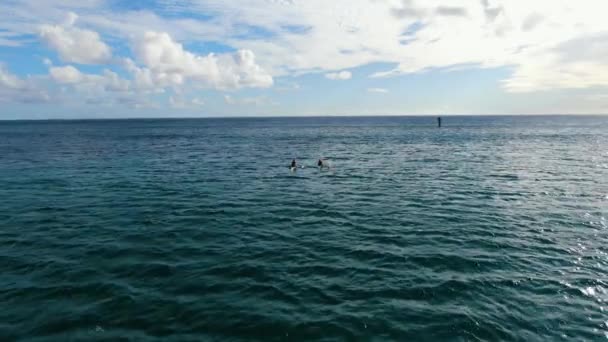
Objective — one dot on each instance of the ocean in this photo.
(489, 228)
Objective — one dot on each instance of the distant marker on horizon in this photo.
(439, 121)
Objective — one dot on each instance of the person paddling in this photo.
(293, 164)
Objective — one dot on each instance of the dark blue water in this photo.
(490, 228)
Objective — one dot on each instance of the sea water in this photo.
(489, 228)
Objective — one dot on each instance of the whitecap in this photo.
(589, 291)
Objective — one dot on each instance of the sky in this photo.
(200, 58)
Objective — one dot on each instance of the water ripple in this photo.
(188, 230)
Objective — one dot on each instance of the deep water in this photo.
(490, 228)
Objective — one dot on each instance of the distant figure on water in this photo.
(293, 164)
(439, 121)
(322, 163)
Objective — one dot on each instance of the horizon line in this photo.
(293, 116)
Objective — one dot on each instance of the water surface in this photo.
(490, 228)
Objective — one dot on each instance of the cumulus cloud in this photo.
(377, 90)
(106, 88)
(146, 80)
(108, 81)
(168, 60)
(14, 89)
(75, 45)
(342, 75)
(66, 75)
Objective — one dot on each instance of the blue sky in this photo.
(169, 58)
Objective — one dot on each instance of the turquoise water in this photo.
(490, 228)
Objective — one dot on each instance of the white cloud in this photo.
(377, 90)
(167, 59)
(70, 19)
(66, 75)
(8, 80)
(145, 79)
(417, 35)
(14, 89)
(533, 39)
(108, 81)
(113, 82)
(511, 34)
(342, 75)
(573, 64)
(75, 45)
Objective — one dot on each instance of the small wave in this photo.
(597, 292)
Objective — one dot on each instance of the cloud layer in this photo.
(546, 45)
(159, 63)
